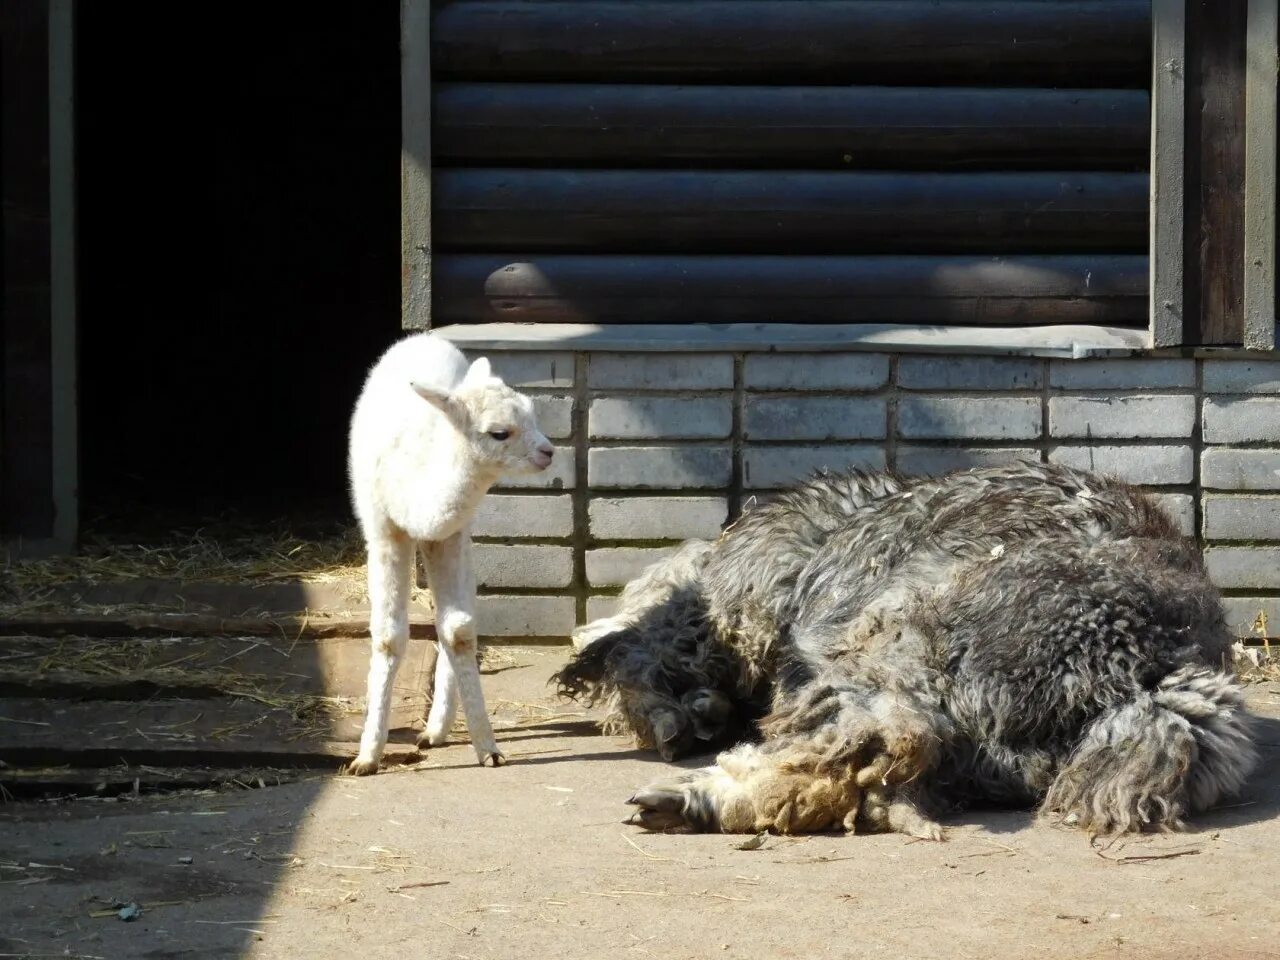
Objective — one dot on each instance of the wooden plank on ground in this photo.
(669, 211)
(1108, 290)
(38, 731)
(147, 624)
(122, 668)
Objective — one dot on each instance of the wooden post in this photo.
(415, 164)
(1263, 46)
(62, 272)
(1168, 145)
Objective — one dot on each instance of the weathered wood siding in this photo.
(974, 161)
(26, 425)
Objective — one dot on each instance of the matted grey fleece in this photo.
(1018, 635)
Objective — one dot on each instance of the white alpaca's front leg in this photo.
(390, 562)
(454, 589)
(444, 702)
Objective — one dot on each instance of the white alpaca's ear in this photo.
(478, 372)
(441, 399)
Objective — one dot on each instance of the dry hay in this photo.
(216, 552)
(1256, 659)
(164, 665)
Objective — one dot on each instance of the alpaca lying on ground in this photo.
(429, 437)
(1014, 635)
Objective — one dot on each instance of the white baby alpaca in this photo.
(429, 437)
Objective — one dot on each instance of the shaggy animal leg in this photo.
(885, 737)
(749, 790)
(892, 810)
(1149, 762)
(453, 587)
(390, 560)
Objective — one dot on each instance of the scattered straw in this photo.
(150, 661)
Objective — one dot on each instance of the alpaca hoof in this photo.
(426, 741)
(678, 804)
(495, 758)
(927, 830)
(362, 768)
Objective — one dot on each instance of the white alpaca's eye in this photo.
(499, 434)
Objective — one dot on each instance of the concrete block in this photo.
(1182, 508)
(521, 369)
(816, 371)
(1240, 469)
(660, 468)
(1241, 421)
(1239, 568)
(657, 518)
(1245, 616)
(1122, 417)
(555, 415)
(815, 418)
(1120, 374)
(660, 371)
(924, 372)
(522, 565)
(969, 418)
(600, 607)
(1242, 376)
(1145, 465)
(658, 418)
(615, 566)
(498, 615)
(1241, 518)
(773, 467)
(504, 515)
(559, 476)
(935, 461)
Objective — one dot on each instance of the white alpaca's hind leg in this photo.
(390, 560)
(453, 587)
(444, 702)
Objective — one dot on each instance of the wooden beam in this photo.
(985, 291)
(667, 211)
(1260, 177)
(912, 42)
(1168, 144)
(26, 465)
(62, 273)
(415, 164)
(890, 128)
(1216, 91)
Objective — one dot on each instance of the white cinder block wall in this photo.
(655, 448)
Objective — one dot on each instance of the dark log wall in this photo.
(667, 161)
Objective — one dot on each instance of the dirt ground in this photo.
(445, 859)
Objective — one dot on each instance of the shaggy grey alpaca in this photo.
(1016, 634)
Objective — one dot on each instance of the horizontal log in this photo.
(512, 124)
(635, 211)
(481, 288)
(1030, 42)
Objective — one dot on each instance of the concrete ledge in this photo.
(1058, 341)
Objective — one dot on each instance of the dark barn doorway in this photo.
(239, 251)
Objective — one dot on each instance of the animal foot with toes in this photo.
(362, 768)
